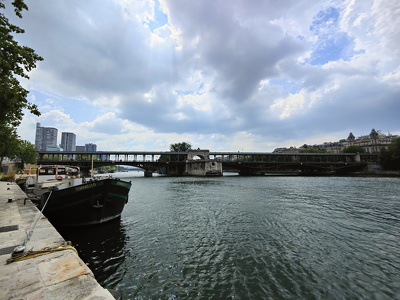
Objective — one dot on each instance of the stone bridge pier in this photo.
(198, 163)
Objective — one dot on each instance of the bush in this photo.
(353, 149)
(7, 177)
(390, 157)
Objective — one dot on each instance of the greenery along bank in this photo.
(15, 61)
(390, 157)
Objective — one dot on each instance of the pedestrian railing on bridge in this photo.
(151, 160)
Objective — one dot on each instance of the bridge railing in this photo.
(153, 156)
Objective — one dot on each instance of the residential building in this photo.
(46, 138)
(90, 147)
(286, 150)
(68, 141)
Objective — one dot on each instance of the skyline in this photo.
(315, 144)
(141, 75)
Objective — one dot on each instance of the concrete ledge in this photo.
(59, 275)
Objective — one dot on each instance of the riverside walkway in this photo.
(57, 275)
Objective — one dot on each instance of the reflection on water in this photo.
(251, 238)
(101, 247)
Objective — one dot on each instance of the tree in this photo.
(26, 152)
(353, 149)
(180, 147)
(390, 157)
(177, 147)
(8, 142)
(312, 150)
(15, 60)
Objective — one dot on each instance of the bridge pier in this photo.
(203, 165)
(148, 173)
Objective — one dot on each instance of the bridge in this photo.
(246, 163)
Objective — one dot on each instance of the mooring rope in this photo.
(32, 254)
(28, 236)
(20, 253)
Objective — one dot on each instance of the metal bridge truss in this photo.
(243, 162)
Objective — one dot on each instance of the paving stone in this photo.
(59, 275)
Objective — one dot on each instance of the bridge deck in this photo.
(256, 161)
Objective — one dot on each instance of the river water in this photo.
(264, 237)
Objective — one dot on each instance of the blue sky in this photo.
(233, 75)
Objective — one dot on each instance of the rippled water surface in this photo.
(237, 237)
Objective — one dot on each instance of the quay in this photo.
(54, 275)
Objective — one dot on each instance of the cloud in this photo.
(261, 74)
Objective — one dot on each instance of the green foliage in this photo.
(312, 150)
(390, 157)
(177, 147)
(180, 147)
(353, 149)
(8, 142)
(26, 152)
(106, 168)
(10, 176)
(15, 60)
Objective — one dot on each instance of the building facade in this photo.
(46, 138)
(90, 147)
(68, 141)
(371, 143)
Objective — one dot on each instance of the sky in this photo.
(223, 75)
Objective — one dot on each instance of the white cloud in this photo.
(212, 73)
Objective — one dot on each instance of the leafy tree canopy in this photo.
(390, 157)
(353, 149)
(312, 150)
(180, 147)
(26, 152)
(8, 142)
(15, 60)
(177, 147)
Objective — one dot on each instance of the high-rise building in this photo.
(90, 147)
(68, 141)
(46, 138)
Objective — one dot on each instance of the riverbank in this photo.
(54, 275)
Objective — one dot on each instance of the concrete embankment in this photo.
(54, 275)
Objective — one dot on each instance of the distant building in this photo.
(68, 141)
(46, 138)
(90, 147)
(329, 147)
(80, 148)
(371, 143)
(286, 150)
